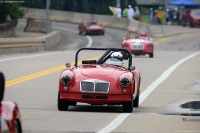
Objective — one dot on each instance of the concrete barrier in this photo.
(26, 45)
(33, 25)
(74, 17)
(48, 41)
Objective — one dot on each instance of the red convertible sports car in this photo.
(138, 45)
(110, 80)
(91, 28)
(191, 17)
(9, 113)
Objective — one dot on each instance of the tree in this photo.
(12, 9)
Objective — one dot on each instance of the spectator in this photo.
(125, 13)
(137, 15)
(151, 15)
(155, 20)
(160, 15)
(167, 16)
(130, 12)
(118, 11)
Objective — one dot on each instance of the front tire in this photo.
(191, 24)
(63, 105)
(18, 128)
(136, 101)
(128, 106)
(151, 55)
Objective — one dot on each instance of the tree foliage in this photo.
(12, 9)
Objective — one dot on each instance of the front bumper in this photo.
(96, 99)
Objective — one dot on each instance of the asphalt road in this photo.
(169, 80)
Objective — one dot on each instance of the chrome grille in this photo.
(94, 86)
(87, 86)
(137, 46)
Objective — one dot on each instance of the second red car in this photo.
(138, 45)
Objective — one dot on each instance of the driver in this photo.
(116, 59)
(143, 35)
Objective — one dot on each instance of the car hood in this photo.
(100, 71)
(95, 27)
(196, 17)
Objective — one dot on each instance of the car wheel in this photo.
(191, 23)
(102, 33)
(136, 100)
(128, 106)
(62, 104)
(18, 128)
(80, 32)
(151, 55)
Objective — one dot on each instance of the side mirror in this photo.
(68, 65)
(132, 68)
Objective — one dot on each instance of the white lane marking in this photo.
(32, 56)
(90, 41)
(120, 118)
(115, 123)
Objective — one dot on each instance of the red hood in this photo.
(196, 17)
(100, 71)
(95, 27)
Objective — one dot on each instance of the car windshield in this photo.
(114, 61)
(195, 12)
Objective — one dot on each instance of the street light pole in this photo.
(47, 16)
(118, 2)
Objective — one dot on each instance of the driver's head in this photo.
(2, 86)
(143, 33)
(117, 55)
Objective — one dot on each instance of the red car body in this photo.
(11, 118)
(91, 28)
(138, 45)
(97, 83)
(191, 17)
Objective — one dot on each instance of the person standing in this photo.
(137, 14)
(151, 15)
(118, 11)
(125, 13)
(160, 15)
(130, 12)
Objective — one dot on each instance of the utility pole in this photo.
(47, 16)
(118, 2)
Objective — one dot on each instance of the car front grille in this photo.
(94, 86)
(137, 46)
(95, 31)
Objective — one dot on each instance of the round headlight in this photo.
(66, 80)
(124, 82)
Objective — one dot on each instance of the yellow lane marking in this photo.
(39, 74)
(162, 40)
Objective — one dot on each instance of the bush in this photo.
(12, 9)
